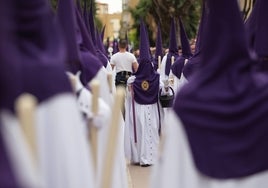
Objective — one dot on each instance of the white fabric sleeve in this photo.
(131, 79)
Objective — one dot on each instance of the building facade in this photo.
(110, 21)
(127, 21)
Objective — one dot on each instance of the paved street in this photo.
(140, 176)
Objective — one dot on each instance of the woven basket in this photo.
(166, 100)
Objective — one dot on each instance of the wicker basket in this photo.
(166, 100)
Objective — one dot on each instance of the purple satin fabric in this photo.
(224, 106)
(146, 84)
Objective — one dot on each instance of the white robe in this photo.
(105, 93)
(119, 174)
(22, 161)
(63, 153)
(175, 83)
(102, 122)
(176, 168)
(147, 126)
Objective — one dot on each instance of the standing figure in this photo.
(172, 55)
(125, 63)
(142, 108)
(216, 135)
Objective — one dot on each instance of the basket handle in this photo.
(173, 93)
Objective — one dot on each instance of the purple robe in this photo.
(146, 84)
(223, 107)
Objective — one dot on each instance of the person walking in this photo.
(125, 62)
(142, 108)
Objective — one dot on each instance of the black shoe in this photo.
(145, 165)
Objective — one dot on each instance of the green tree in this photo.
(97, 21)
(161, 11)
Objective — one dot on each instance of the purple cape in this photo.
(34, 54)
(146, 84)
(223, 107)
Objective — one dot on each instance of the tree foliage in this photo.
(155, 12)
(97, 21)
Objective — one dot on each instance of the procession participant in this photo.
(16, 167)
(38, 55)
(125, 64)
(170, 57)
(178, 65)
(91, 62)
(76, 45)
(142, 108)
(119, 178)
(84, 71)
(216, 136)
(94, 35)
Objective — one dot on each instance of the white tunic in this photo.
(101, 120)
(63, 153)
(172, 79)
(144, 151)
(174, 82)
(123, 61)
(119, 174)
(22, 161)
(176, 168)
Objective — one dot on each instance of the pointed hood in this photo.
(66, 17)
(178, 65)
(158, 46)
(144, 44)
(89, 60)
(257, 29)
(85, 15)
(35, 54)
(92, 23)
(173, 47)
(101, 53)
(94, 37)
(185, 45)
(42, 50)
(193, 62)
(115, 46)
(100, 43)
(85, 34)
(146, 84)
(225, 102)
